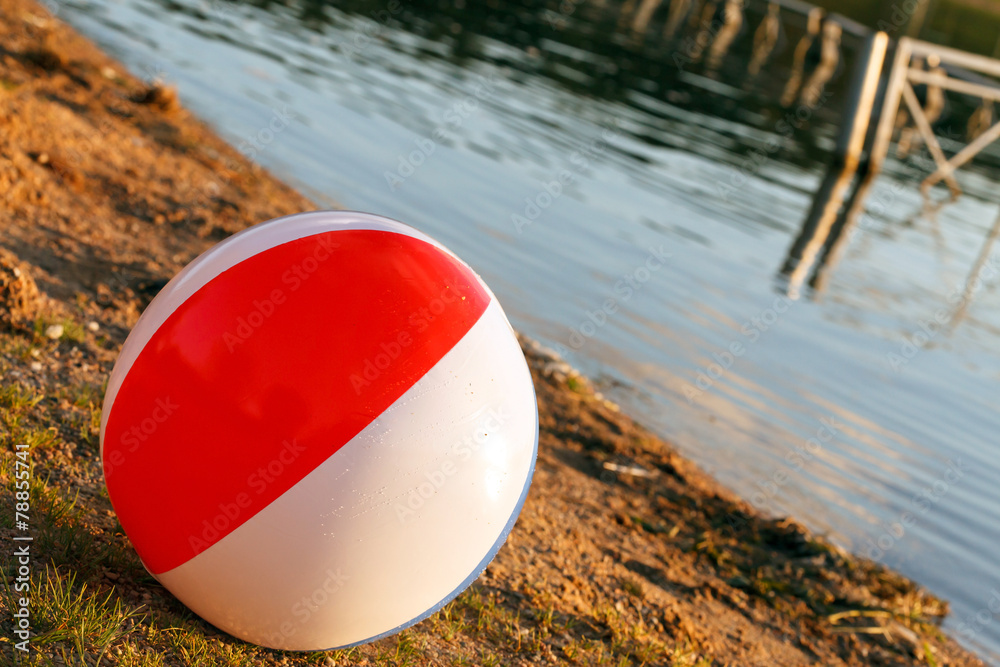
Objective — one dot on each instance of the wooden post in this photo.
(823, 216)
(890, 105)
(861, 98)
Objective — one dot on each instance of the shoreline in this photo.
(624, 553)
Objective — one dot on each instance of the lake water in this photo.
(570, 164)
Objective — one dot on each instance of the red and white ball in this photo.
(320, 431)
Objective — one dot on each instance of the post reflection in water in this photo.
(822, 231)
(826, 232)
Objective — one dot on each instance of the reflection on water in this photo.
(555, 147)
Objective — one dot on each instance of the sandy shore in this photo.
(624, 554)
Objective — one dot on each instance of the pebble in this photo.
(36, 366)
(54, 331)
(93, 326)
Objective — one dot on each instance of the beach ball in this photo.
(320, 431)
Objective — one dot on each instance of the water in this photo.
(496, 105)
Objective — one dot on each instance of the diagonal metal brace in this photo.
(961, 157)
(932, 143)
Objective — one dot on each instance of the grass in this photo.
(72, 330)
(16, 400)
(85, 421)
(76, 623)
